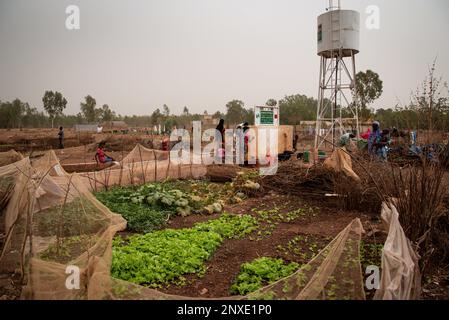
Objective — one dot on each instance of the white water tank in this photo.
(338, 32)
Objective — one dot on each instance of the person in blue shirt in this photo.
(374, 138)
(378, 142)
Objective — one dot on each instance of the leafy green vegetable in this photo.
(166, 196)
(305, 247)
(148, 207)
(140, 217)
(260, 272)
(370, 254)
(163, 257)
(269, 219)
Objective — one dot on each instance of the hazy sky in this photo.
(136, 55)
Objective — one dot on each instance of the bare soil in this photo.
(77, 146)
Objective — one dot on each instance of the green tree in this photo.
(369, 88)
(32, 118)
(249, 117)
(17, 110)
(156, 116)
(218, 115)
(170, 123)
(296, 108)
(235, 112)
(107, 114)
(165, 110)
(54, 104)
(271, 103)
(88, 109)
(11, 113)
(185, 111)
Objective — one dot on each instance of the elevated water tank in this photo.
(338, 32)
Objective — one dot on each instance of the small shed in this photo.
(209, 122)
(85, 127)
(115, 125)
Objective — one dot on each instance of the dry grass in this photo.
(291, 178)
(420, 191)
(420, 195)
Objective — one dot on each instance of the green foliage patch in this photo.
(148, 207)
(271, 218)
(260, 272)
(305, 247)
(163, 257)
(140, 217)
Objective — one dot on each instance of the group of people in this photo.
(103, 158)
(378, 141)
(100, 155)
(220, 136)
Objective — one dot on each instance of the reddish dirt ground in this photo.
(78, 146)
(27, 140)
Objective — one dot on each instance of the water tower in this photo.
(338, 44)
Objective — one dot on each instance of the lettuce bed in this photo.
(165, 256)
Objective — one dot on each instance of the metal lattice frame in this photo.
(337, 91)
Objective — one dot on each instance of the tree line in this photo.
(428, 109)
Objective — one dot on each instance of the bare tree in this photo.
(430, 99)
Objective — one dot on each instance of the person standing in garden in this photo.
(374, 138)
(345, 139)
(378, 142)
(61, 137)
(219, 140)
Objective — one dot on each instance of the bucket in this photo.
(322, 155)
(306, 156)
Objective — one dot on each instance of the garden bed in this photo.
(292, 241)
(288, 231)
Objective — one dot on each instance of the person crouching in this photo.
(101, 156)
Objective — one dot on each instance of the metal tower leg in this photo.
(336, 95)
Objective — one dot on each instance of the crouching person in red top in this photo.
(102, 157)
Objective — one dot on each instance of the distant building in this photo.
(308, 128)
(208, 122)
(85, 127)
(115, 125)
